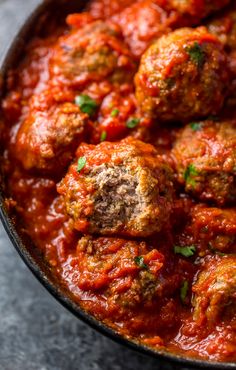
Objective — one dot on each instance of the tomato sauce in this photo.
(140, 287)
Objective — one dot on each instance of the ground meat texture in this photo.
(214, 228)
(94, 53)
(48, 138)
(215, 291)
(124, 271)
(205, 156)
(123, 188)
(196, 8)
(182, 76)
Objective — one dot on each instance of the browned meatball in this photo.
(127, 284)
(123, 187)
(205, 155)
(93, 53)
(214, 229)
(196, 8)
(224, 27)
(106, 8)
(215, 291)
(48, 138)
(146, 22)
(182, 76)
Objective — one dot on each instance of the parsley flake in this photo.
(139, 261)
(115, 112)
(196, 126)
(196, 53)
(81, 163)
(185, 251)
(103, 136)
(184, 291)
(132, 122)
(189, 175)
(86, 104)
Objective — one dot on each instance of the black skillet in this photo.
(35, 24)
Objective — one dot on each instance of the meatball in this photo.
(196, 8)
(205, 157)
(106, 8)
(215, 291)
(142, 23)
(94, 53)
(224, 27)
(123, 187)
(182, 76)
(124, 271)
(48, 138)
(214, 228)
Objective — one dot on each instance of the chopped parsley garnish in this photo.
(196, 126)
(184, 291)
(185, 251)
(132, 122)
(196, 53)
(103, 136)
(189, 175)
(139, 261)
(115, 112)
(81, 163)
(86, 104)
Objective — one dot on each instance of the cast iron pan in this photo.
(35, 24)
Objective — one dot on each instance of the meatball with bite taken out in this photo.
(215, 291)
(94, 53)
(205, 157)
(182, 76)
(123, 187)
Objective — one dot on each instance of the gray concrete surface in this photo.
(36, 333)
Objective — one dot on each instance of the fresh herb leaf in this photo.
(189, 175)
(184, 291)
(132, 122)
(86, 104)
(81, 163)
(139, 261)
(115, 112)
(196, 53)
(103, 136)
(196, 126)
(185, 251)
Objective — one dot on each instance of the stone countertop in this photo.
(36, 332)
